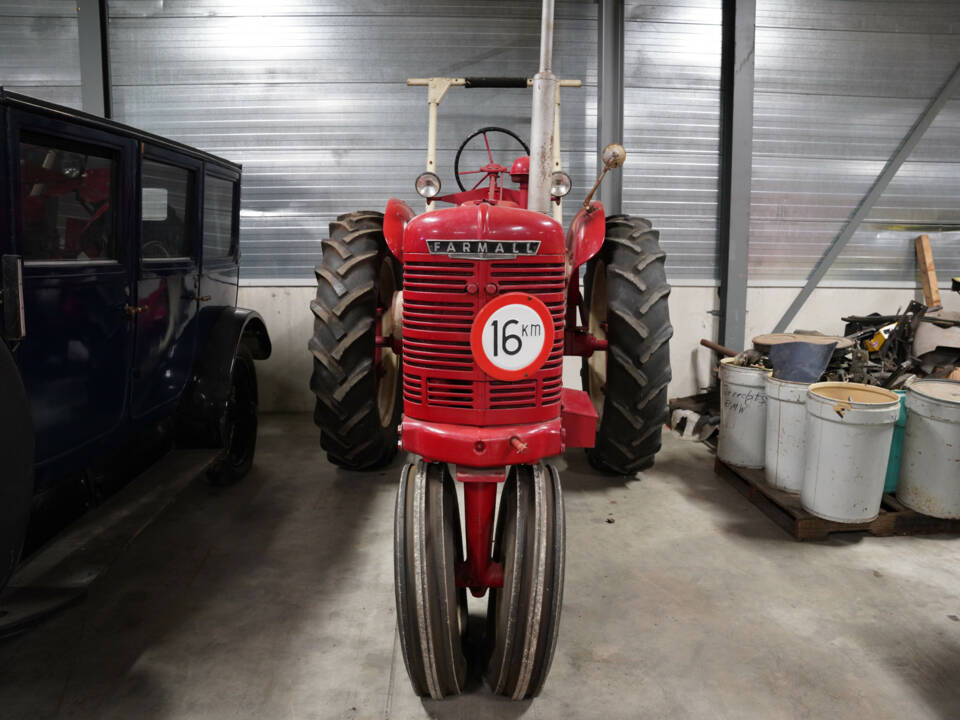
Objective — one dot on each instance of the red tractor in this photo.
(444, 334)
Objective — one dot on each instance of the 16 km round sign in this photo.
(512, 336)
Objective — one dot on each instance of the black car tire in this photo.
(357, 414)
(239, 423)
(16, 453)
(625, 293)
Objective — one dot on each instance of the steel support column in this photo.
(736, 163)
(869, 200)
(94, 59)
(610, 95)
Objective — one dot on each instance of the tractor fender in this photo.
(395, 219)
(200, 417)
(586, 233)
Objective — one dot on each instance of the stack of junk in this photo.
(843, 420)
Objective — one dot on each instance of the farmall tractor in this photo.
(444, 334)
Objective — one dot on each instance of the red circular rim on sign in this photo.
(476, 335)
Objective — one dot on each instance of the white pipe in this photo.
(542, 118)
(557, 162)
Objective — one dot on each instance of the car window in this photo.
(66, 200)
(217, 218)
(166, 221)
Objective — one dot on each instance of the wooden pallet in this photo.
(785, 510)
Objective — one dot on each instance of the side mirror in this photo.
(613, 156)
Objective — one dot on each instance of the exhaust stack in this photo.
(542, 118)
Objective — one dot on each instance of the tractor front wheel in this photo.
(625, 293)
(523, 616)
(431, 609)
(356, 378)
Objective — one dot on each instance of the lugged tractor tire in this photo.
(625, 294)
(357, 412)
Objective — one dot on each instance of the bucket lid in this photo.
(943, 390)
(856, 393)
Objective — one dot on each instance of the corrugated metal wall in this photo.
(310, 97)
(39, 49)
(671, 128)
(838, 85)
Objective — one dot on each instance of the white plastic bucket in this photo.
(784, 446)
(848, 431)
(930, 465)
(743, 415)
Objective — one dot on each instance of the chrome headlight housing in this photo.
(560, 184)
(428, 185)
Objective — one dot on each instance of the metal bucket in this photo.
(743, 415)
(930, 465)
(848, 431)
(784, 447)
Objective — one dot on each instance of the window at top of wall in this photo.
(167, 221)
(67, 200)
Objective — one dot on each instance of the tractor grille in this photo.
(441, 381)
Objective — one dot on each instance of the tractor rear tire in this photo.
(431, 609)
(358, 404)
(523, 616)
(625, 293)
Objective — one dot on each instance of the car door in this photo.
(72, 201)
(167, 278)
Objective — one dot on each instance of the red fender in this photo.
(395, 219)
(586, 233)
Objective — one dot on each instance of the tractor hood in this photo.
(482, 231)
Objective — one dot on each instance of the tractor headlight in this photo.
(560, 184)
(428, 185)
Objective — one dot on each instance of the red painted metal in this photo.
(579, 419)
(442, 382)
(395, 219)
(478, 571)
(586, 233)
(580, 343)
(482, 447)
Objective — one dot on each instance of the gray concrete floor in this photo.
(273, 599)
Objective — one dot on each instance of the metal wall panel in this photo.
(39, 49)
(671, 128)
(838, 86)
(310, 97)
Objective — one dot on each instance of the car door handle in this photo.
(134, 310)
(204, 298)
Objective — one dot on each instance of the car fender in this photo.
(201, 412)
(395, 219)
(586, 234)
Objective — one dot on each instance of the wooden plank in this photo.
(786, 511)
(928, 273)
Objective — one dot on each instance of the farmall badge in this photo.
(483, 249)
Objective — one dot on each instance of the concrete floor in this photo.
(273, 599)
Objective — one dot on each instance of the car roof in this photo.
(25, 102)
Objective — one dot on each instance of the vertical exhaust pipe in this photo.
(541, 118)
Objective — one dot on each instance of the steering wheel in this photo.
(483, 131)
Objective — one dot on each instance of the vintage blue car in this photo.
(120, 331)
